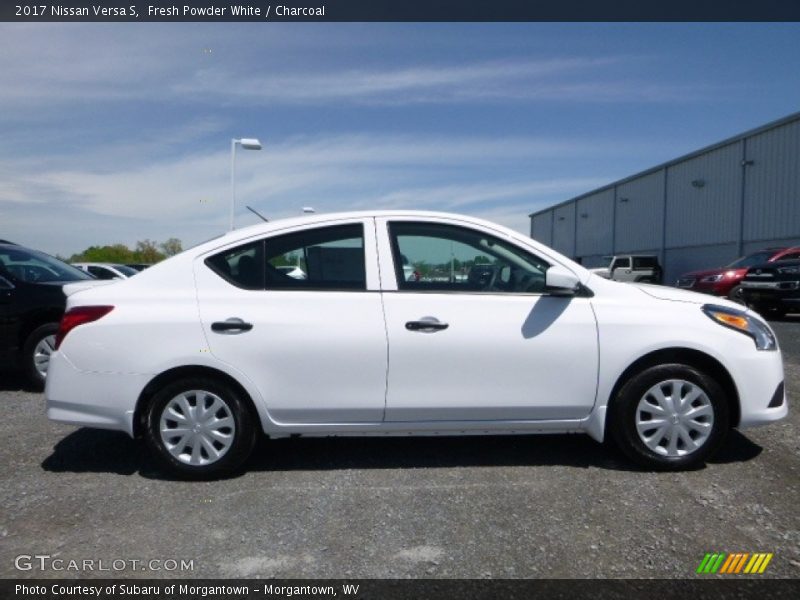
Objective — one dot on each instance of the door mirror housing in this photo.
(561, 281)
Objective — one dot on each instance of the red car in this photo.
(725, 281)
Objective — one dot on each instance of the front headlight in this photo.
(711, 278)
(740, 321)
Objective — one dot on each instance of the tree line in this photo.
(145, 251)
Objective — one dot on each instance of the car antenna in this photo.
(258, 214)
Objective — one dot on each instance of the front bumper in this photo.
(778, 294)
(758, 377)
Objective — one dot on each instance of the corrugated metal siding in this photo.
(640, 210)
(592, 262)
(706, 226)
(772, 184)
(708, 214)
(595, 224)
(564, 229)
(678, 261)
(542, 227)
(751, 247)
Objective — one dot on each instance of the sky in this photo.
(118, 132)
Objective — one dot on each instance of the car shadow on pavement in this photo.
(12, 381)
(737, 448)
(99, 451)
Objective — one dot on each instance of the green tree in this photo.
(147, 252)
(171, 247)
(115, 253)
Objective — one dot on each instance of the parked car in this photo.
(106, 270)
(639, 268)
(773, 287)
(203, 351)
(726, 281)
(31, 305)
(138, 266)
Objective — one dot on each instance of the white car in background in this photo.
(201, 352)
(106, 270)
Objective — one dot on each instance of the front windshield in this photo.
(32, 266)
(750, 260)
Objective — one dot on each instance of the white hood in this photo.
(676, 295)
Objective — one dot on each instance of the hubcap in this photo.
(197, 427)
(41, 354)
(674, 418)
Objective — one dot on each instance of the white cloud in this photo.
(231, 65)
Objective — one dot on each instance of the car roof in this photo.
(320, 218)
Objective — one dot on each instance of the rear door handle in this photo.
(232, 325)
(426, 325)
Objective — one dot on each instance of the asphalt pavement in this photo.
(475, 507)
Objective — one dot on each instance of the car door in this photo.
(9, 319)
(312, 340)
(476, 336)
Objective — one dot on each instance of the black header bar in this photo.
(400, 10)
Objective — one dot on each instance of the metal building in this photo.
(702, 210)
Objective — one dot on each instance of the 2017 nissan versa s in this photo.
(496, 334)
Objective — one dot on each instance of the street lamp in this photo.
(246, 144)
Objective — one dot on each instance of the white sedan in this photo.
(500, 334)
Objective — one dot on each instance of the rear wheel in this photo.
(199, 428)
(41, 343)
(670, 417)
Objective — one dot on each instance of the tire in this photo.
(736, 294)
(36, 353)
(196, 450)
(702, 421)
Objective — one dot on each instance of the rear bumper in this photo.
(91, 399)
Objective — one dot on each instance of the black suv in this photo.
(773, 287)
(31, 304)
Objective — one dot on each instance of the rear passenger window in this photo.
(328, 258)
(242, 266)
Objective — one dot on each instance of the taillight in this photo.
(80, 315)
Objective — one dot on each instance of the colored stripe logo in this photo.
(735, 563)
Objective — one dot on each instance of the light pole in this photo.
(246, 144)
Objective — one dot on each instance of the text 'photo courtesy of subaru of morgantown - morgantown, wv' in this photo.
(403, 323)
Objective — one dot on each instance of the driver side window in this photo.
(437, 258)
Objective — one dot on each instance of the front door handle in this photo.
(232, 325)
(426, 325)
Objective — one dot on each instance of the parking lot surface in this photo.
(475, 507)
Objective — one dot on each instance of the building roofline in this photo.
(733, 139)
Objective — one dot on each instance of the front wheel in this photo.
(737, 294)
(199, 428)
(670, 417)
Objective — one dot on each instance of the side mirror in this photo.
(561, 281)
(5, 284)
